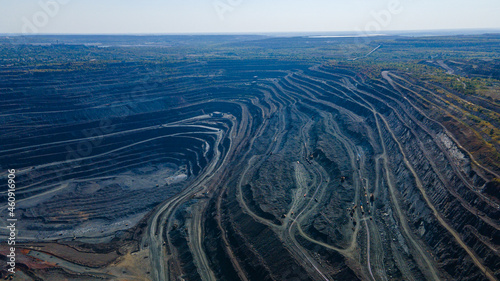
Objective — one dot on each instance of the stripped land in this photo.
(253, 158)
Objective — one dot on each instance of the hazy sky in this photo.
(233, 16)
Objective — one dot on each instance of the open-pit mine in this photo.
(250, 158)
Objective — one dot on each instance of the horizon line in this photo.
(353, 32)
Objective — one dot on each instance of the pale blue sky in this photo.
(234, 16)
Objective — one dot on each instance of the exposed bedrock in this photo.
(233, 170)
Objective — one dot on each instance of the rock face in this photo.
(304, 172)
